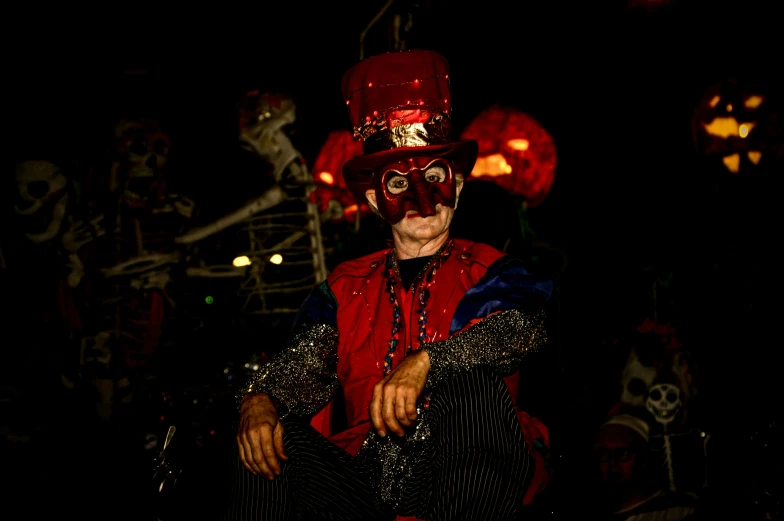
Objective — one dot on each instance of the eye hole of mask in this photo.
(435, 174)
(397, 184)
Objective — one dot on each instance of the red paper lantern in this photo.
(515, 152)
(339, 147)
(331, 193)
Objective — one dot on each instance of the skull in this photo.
(636, 379)
(260, 117)
(262, 120)
(142, 150)
(97, 350)
(664, 402)
(42, 199)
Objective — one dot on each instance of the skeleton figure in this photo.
(42, 202)
(651, 367)
(663, 402)
(142, 150)
(659, 378)
(262, 120)
(131, 265)
(45, 206)
(279, 253)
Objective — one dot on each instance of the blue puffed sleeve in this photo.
(319, 307)
(505, 286)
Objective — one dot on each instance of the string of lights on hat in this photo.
(416, 82)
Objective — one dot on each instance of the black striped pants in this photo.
(475, 467)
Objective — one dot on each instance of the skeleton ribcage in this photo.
(274, 258)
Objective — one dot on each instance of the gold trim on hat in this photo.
(434, 132)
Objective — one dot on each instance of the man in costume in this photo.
(424, 339)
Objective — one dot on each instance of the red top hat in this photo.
(400, 107)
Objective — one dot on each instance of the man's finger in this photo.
(278, 442)
(241, 451)
(254, 438)
(388, 413)
(411, 411)
(400, 408)
(259, 441)
(375, 412)
(269, 450)
(250, 461)
(266, 471)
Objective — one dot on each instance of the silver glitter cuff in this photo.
(302, 377)
(500, 341)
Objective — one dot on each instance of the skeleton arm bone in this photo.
(268, 199)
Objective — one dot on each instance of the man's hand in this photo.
(394, 398)
(260, 436)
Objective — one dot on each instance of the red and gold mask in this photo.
(417, 184)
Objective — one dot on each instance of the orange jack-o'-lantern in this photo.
(331, 194)
(738, 124)
(515, 152)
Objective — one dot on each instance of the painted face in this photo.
(619, 455)
(617, 464)
(417, 184)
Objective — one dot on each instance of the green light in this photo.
(209, 300)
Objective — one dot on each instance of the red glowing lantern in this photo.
(515, 152)
(339, 147)
(331, 194)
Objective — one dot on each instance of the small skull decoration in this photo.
(141, 153)
(263, 118)
(664, 402)
(42, 199)
(656, 356)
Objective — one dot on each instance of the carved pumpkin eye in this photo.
(515, 152)
(752, 102)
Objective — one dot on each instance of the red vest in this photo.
(364, 321)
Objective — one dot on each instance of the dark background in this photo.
(615, 83)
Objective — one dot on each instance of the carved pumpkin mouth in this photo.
(728, 127)
(733, 133)
(733, 161)
(491, 166)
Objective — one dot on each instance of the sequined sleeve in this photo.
(303, 376)
(501, 341)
